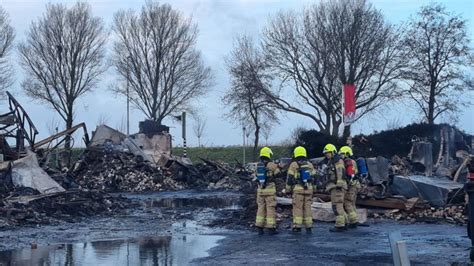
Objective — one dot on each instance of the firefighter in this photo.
(336, 185)
(353, 185)
(266, 173)
(300, 182)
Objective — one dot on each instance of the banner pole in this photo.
(342, 108)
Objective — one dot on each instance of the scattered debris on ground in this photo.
(422, 181)
(456, 214)
(50, 208)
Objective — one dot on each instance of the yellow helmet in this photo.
(346, 150)
(299, 152)
(266, 152)
(329, 148)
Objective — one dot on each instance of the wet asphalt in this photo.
(170, 229)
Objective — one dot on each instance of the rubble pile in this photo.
(429, 163)
(219, 175)
(400, 166)
(110, 171)
(69, 206)
(456, 214)
(399, 141)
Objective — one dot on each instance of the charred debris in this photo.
(37, 188)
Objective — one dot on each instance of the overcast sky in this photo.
(219, 22)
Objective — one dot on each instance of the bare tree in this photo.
(247, 99)
(62, 57)
(7, 35)
(53, 126)
(330, 44)
(266, 133)
(155, 51)
(296, 133)
(394, 123)
(199, 127)
(439, 55)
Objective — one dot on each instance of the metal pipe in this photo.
(469, 188)
(243, 144)
(128, 106)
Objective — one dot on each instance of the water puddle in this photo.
(156, 250)
(214, 203)
(187, 242)
(213, 200)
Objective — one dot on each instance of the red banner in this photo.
(349, 103)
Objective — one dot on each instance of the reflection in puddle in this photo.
(208, 202)
(166, 250)
(189, 199)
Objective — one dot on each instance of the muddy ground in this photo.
(172, 228)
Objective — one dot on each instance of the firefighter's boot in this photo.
(352, 226)
(337, 229)
(272, 231)
(296, 230)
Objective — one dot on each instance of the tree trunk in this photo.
(327, 130)
(255, 143)
(335, 125)
(159, 120)
(335, 129)
(67, 143)
(431, 104)
(347, 132)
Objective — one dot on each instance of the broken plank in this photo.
(29, 198)
(219, 166)
(324, 197)
(463, 165)
(388, 203)
(11, 210)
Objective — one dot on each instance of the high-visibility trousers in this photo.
(302, 213)
(266, 213)
(337, 202)
(350, 204)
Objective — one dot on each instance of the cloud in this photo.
(219, 21)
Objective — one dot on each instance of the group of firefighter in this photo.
(337, 171)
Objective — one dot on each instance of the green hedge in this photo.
(227, 154)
